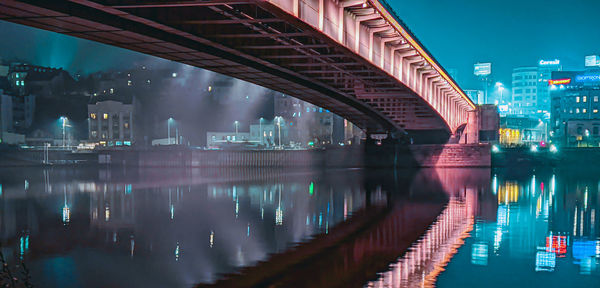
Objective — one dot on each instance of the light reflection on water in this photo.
(157, 228)
(542, 233)
(177, 228)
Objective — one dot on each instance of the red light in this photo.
(559, 81)
(542, 144)
(557, 245)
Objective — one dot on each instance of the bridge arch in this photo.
(352, 57)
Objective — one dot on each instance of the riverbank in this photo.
(395, 156)
(506, 157)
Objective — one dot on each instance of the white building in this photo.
(530, 94)
(265, 134)
(219, 139)
(110, 123)
(524, 91)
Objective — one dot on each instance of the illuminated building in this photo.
(483, 72)
(110, 123)
(575, 119)
(530, 91)
(518, 130)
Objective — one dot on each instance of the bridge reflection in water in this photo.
(131, 226)
(427, 257)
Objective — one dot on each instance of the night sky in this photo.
(459, 33)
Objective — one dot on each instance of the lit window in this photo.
(105, 116)
(577, 99)
(577, 111)
(595, 98)
(93, 115)
(270, 133)
(209, 88)
(584, 99)
(126, 125)
(112, 91)
(128, 82)
(595, 111)
(584, 110)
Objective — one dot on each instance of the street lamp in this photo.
(64, 126)
(236, 123)
(169, 129)
(260, 128)
(279, 128)
(501, 89)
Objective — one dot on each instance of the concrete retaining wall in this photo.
(449, 155)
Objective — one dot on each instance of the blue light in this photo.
(588, 78)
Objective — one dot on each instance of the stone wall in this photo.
(448, 155)
(452, 155)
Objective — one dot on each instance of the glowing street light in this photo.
(279, 128)
(260, 128)
(64, 120)
(169, 129)
(501, 89)
(237, 124)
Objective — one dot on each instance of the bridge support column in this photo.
(471, 133)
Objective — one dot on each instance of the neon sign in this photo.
(588, 78)
(549, 62)
(559, 81)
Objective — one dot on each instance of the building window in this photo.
(595, 111)
(105, 116)
(577, 99)
(584, 99)
(93, 115)
(577, 111)
(584, 110)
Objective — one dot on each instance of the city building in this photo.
(264, 134)
(530, 94)
(111, 123)
(483, 72)
(545, 69)
(6, 112)
(575, 100)
(308, 124)
(516, 130)
(524, 91)
(311, 125)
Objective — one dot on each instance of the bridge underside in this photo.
(255, 41)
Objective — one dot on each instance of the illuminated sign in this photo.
(549, 62)
(588, 78)
(559, 81)
(592, 61)
(483, 69)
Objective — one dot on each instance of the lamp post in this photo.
(64, 126)
(169, 129)
(260, 128)
(501, 89)
(279, 129)
(236, 123)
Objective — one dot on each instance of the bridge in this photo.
(355, 58)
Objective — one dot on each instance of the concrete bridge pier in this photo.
(471, 132)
